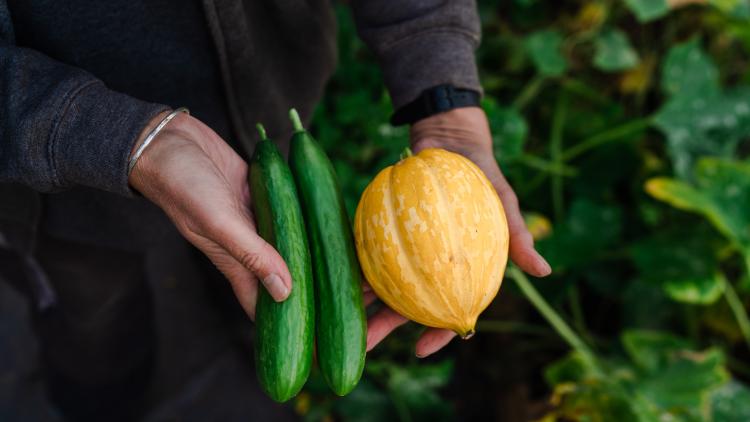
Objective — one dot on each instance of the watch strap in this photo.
(431, 101)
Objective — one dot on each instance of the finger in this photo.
(243, 281)
(522, 250)
(369, 297)
(257, 255)
(381, 324)
(246, 292)
(433, 340)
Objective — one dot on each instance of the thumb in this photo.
(244, 244)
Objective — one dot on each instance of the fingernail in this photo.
(542, 267)
(419, 355)
(276, 287)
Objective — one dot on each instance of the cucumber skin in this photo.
(341, 325)
(284, 330)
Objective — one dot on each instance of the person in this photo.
(82, 84)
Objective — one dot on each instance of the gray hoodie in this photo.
(80, 79)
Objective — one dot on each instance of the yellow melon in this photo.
(432, 239)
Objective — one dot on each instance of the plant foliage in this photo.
(623, 127)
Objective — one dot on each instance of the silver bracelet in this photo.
(155, 131)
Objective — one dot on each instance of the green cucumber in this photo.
(340, 326)
(284, 330)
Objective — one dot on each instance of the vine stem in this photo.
(610, 135)
(402, 410)
(541, 164)
(554, 319)
(738, 310)
(580, 89)
(533, 184)
(579, 321)
(528, 92)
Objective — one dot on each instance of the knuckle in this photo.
(523, 237)
(395, 320)
(509, 197)
(250, 260)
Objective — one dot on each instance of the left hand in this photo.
(464, 131)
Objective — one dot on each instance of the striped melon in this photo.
(432, 239)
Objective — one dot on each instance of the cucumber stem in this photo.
(406, 153)
(262, 132)
(296, 122)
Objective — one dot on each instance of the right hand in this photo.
(465, 131)
(201, 184)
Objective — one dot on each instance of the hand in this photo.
(201, 184)
(466, 132)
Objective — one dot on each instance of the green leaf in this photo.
(509, 131)
(731, 403)
(677, 193)
(649, 350)
(721, 194)
(544, 48)
(704, 124)
(686, 381)
(683, 263)
(414, 388)
(366, 403)
(601, 397)
(581, 390)
(428, 376)
(736, 8)
(648, 10)
(699, 119)
(646, 305)
(673, 377)
(588, 229)
(614, 52)
(689, 70)
(698, 291)
(572, 368)
(596, 401)
(663, 380)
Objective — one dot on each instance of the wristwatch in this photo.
(431, 101)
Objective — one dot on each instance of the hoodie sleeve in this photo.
(60, 126)
(421, 43)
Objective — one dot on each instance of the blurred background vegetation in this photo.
(622, 126)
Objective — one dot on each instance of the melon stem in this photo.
(406, 153)
(467, 335)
